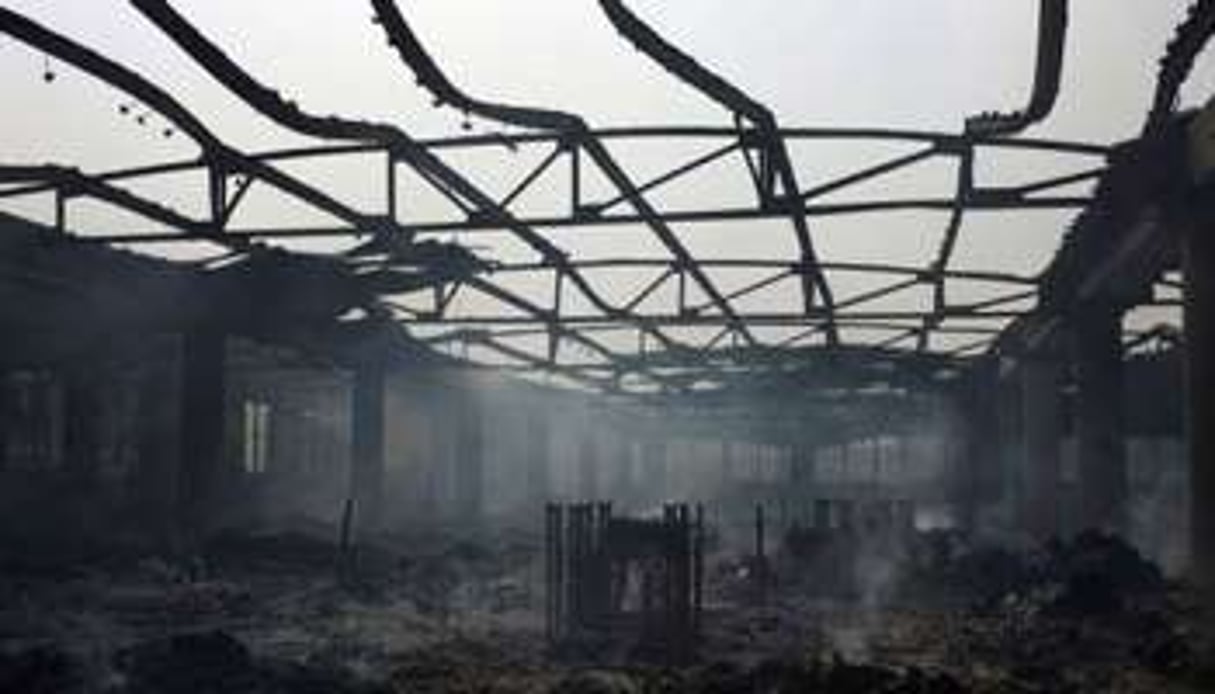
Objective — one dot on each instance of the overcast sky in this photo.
(922, 64)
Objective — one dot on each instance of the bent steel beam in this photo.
(1052, 39)
(575, 132)
(215, 153)
(1188, 42)
(683, 66)
(286, 113)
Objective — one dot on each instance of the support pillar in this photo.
(728, 473)
(1042, 415)
(81, 405)
(654, 468)
(588, 470)
(470, 460)
(539, 471)
(977, 477)
(7, 415)
(367, 444)
(1199, 319)
(201, 431)
(621, 465)
(1097, 350)
(1010, 446)
(801, 466)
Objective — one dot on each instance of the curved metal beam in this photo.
(214, 151)
(684, 67)
(286, 113)
(1188, 42)
(1052, 39)
(573, 129)
(944, 142)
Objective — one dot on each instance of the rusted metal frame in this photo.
(217, 193)
(965, 190)
(390, 187)
(538, 314)
(658, 224)
(802, 336)
(73, 184)
(668, 177)
(1188, 42)
(61, 211)
(534, 362)
(970, 347)
(542, 329)
(444, 299)
(854, 356)
(916, 332)
(750, 288)
(70, 183)
(215, 152)
(20, 173)
(941, 140)
(1002, 300)
(685, 68)
(758, 263)
(1059, 181)
(402, 308)
(531, 177)
(401, 146)
(575, 154)
(716, 339)
(1052, 39)
(571, 129)
(650, 288)
(945, 140)
(875, 171)
(756, 171)
(480, 225)
(757, 318)
(230, 206)
(878, 293)
(450, 195)
(1159, 333)
(535, 314)
(554, 337)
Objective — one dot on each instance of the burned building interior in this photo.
(522, 401)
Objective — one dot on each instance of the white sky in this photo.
(923, 64)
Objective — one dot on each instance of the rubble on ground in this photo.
(272, 612)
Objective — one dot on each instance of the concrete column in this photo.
(81, 423)
(539, 470)
(470, 460)
(588, 469)
(977, 475)
(728, 473)
(1199, 317)
(7, 415)
(201, 431)
(367, 444)
(621, 464)
(1010, 445)
(156, 435)
(1042, 415)
(1097, 351)
(654, 468)
(801, 466)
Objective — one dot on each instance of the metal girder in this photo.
(1052, 39)
(779, 166)
(574, 133)
(672, 362)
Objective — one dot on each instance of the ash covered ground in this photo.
(281, 611)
